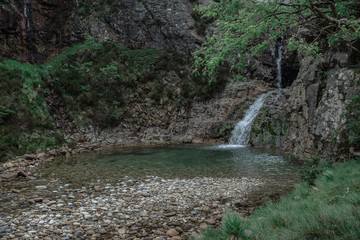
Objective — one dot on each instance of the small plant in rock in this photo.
(312, 169)
(352, 128)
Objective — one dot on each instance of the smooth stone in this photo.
(171, 214)
(21, 229)
(90, 232)
(78, 234)
(172, 232)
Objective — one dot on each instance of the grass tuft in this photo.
(328, 210)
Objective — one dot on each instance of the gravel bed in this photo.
(148, 208)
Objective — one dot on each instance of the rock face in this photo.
(309, 116)
(159, 24)
(34, 30)
(30, 30)
(208, 121)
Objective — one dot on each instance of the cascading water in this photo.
(278, 62)
(26, 14)
(241, 132)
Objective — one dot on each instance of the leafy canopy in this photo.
(246, 28)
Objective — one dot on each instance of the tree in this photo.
(246, 28)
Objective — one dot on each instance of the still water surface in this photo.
(179, 161)
(278, 172)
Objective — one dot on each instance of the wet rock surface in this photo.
(131, 208)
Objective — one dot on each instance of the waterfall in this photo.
(26, 13)
(241, 133)
(278, 58)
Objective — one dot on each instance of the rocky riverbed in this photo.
(143, 208)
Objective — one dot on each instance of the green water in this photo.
(278, 173)
(182, 161)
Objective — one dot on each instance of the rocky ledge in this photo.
(148, 208)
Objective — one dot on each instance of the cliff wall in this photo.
(166, 104)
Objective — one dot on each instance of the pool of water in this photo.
(278, 173)
(179, 161)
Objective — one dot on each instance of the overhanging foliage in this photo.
(247, 28)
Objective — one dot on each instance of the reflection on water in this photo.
(180, 161)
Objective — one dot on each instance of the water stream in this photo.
(241, 132)
(26, 14)
(277, 54)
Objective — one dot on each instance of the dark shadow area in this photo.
(290, 67)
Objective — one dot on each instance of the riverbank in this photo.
(70, 198)
(148, 208)
(328, 210)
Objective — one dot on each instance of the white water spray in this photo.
(241, 132)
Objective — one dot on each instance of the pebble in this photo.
(147, 208)
(78, 234)
(210, 221)
(172, 232)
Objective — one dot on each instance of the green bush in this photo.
(312, 169)
(23, 108)
(95, 83)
